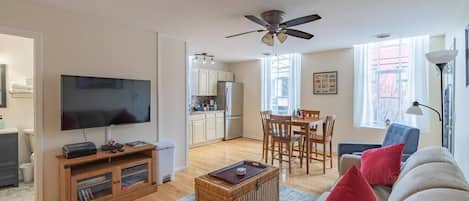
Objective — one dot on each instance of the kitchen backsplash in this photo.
(198, 100)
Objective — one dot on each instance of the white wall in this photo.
(461, 96)
(341, 104)
(249, 73)
(83, 45)
(340, 60)
(17, 53)
(172, 103)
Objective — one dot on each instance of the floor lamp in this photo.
(440, 58)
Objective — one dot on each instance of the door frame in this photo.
(38, 104)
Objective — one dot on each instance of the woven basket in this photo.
(263, 187)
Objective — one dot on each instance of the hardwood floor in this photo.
(211, 157)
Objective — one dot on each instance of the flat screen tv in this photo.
(89, 102)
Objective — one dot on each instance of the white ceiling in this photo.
(205, 23)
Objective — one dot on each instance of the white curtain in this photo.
(266, 83)
(294, 89)
(362, 112)
(417, 87)
(419, 79)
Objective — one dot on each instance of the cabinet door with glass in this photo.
(134, 175)
(96, 185)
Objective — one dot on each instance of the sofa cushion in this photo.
(382, 192)
(381, 166)
(426, 155)
(352, 187)
(439, 194)
(427, 176)
(347, 161)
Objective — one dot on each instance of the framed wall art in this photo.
(325, 83)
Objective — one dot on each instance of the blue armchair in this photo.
(396, 134)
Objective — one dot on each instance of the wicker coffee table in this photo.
(261, 187)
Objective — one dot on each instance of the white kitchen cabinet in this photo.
(198, 129)
(220, 125)
(195, 82)
(210, 125)
(225, 76)
(229, 76)
(212, 83)
(203, 82)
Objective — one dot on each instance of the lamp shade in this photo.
(415, 110)
(268, 39)
(441, 56)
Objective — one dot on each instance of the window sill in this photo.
(373, 127)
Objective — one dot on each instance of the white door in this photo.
(220, 125)
(221, 76)
(198, 131)
(210, 125)
(203, 82)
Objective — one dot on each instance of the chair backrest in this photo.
(329, 125)
(280, 126)
(402, 134)
(265, 115)
(310, 113)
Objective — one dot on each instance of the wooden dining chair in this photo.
(313, 114)
(325, 138)
(281, 134)
(265, 116)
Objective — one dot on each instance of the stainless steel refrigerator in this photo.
(230, 99)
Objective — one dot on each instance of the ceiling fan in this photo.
(272, 21)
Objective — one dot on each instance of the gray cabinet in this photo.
(9, 159)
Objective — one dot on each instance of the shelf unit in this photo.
(107, 176)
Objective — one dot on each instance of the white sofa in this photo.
(430, 174)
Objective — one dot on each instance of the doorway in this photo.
(21, 113)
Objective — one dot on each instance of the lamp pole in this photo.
(441, 66)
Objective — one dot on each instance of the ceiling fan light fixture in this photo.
(282, 37)
(268, 39)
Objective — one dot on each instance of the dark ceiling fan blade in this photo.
(298, 34)
(234, 35)
(301, 20)
(257, 20)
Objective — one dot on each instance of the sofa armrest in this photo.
(347, 161)
(351, 147)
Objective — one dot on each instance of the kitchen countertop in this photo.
(8, 131)
(205, 112)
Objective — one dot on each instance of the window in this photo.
(389, 76)
(281, 83)
(389, 70)
(280, 76)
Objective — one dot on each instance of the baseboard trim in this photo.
(180, 168)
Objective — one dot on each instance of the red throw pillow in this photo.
(381, 166)
(352, 187)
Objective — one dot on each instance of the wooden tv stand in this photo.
(119, 176)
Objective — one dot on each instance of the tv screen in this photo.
(88, 102)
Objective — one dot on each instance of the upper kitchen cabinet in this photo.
(225, 76)
(212, 83)
(204, 82)
(195, 81)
